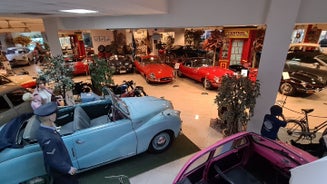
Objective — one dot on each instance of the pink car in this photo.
(243, 158)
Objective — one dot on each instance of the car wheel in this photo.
(206, 84)
(160, 142)
(287, 89)
(179, 74)
(147, 80)
(29, 61)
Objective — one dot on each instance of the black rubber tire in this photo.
(292, 131)
(101, 48)
(287, 89)
(180, 74)
(206, 84)
(160, 142)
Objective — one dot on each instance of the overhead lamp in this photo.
(79, 11)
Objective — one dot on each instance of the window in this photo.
(4, 106)
(11, 51)
(16, 96)
(4, 80)
(236, 53)
(199, 162)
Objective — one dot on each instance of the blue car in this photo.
(95, 133)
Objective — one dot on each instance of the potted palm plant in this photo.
(236, 99)
(100, 74)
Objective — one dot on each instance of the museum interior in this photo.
(278, 47)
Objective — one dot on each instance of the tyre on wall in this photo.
(160, 142)
(101, 48)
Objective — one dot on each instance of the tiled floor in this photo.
(197, 110)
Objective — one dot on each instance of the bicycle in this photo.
(299, 129)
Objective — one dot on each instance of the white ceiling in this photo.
(17, 15)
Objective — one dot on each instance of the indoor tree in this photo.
(236, 98)
(100, 74)
(193, 37)
(60, 74)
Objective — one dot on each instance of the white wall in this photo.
(101, 37)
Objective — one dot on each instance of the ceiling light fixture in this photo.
(79, 11)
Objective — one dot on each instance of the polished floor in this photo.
(197, 111)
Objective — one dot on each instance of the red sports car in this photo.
(153, 69)
(78, 66)
(201, 69)
(26, 81)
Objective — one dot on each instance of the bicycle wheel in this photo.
(292, 131)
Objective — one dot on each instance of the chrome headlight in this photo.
(171, 112)
(304, 84)
(152, 76)
(216, 79)
(320, 79)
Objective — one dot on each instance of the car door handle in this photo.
(79, 142)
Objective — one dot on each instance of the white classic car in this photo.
(19, 56)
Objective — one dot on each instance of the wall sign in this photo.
(236, 34)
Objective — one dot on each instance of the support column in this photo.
(280, 20)
(52, 38)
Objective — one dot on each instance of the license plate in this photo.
(122, 71)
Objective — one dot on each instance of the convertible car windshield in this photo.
(202, 62)
(117, 102)
(151, 60)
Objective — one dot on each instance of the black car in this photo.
(184, 51)
(300, 83)
(121, 64)
(310, 63)
(179, 51)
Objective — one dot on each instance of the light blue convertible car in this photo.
(95, 134)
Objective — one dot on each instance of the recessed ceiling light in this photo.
(79, 11)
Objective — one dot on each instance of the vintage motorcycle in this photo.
(80, 86)
(127, 89)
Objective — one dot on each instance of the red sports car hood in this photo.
(217, 71)
(158, 69)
